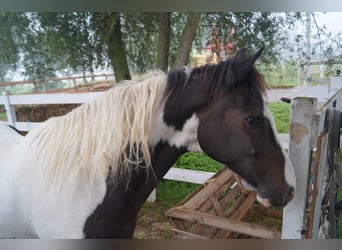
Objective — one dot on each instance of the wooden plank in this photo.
(231, 195)
(239, 203)
(269, 212)
(239, 214)
(179, 224)
(186, 235)
(194, 193)
(227, 224)
(319, 116)
(302, 110)
(317, 192)
(210, 187)
(216, 205)
(207, 204)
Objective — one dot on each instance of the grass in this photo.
(169, 192)
(284, 75)
(281, 114)
(3, 116)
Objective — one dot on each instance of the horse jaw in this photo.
(288, 168)
(289, 172)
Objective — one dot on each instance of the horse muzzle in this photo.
(276, 199)
(273, 198)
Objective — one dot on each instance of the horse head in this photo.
(235, 126)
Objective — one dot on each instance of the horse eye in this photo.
(255, 120)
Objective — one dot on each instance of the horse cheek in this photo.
(211, 141)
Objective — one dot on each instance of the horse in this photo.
(86, 174)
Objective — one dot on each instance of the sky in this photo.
(332, 20)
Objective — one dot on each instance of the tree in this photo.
(164, 29)
(251, 30)
(116, 52)
(325, 45)
(12, 28)
(46, 43)
(188, 36)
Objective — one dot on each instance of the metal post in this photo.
(308, 48)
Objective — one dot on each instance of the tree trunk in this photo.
(163, 40)
(188, 36)
(117, 53)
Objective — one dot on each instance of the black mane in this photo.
(220, 77)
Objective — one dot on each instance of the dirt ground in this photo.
(153, 223)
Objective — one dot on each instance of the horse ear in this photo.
(244, 67)
(241, 54)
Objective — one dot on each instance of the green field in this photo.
(284, 75)
(3, 116)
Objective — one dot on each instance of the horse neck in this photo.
(123, 202)
(168, 141)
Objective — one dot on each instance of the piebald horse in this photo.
(86, 174)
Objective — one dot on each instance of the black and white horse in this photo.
(86, 174)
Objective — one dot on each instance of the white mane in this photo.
(112, 130)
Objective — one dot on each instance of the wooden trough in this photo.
(222, 209)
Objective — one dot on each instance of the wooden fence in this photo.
(309, 148)
(308, 133)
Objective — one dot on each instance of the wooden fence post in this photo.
(317, 192)
(10, 111)
(302, 111)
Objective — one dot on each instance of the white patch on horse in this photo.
(187, 137)
(39, 212)
(9, 139)
(290, 176)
